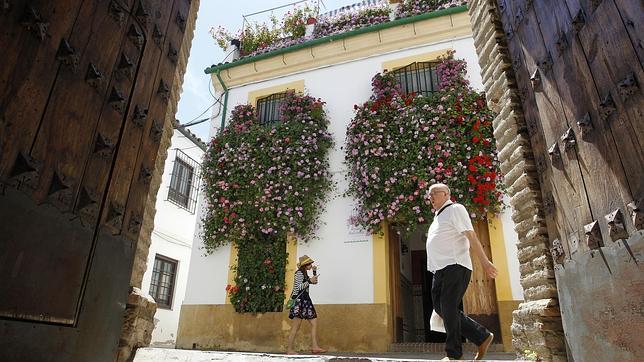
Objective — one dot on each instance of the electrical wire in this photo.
(194, 121)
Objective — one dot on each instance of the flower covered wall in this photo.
(399, 144)
(262, 183)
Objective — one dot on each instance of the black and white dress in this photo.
(303, 307)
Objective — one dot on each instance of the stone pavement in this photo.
(179, 355)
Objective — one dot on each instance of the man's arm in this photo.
(476, 246)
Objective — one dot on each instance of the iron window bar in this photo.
(184, 183)
(417, 77)
(268, 109)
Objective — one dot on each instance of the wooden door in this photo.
(84, 88)
(480, 301)
(578, 66)
(397, 307)
(578, 69)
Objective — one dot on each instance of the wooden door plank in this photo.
(555, 222)
(611, 59)
(480, 296)
(112, 121)
(66, 137)
(126, 167)
(632, 13)
(595, 149)
(28, 72)
(128, 135)
(158, 108)
(565, 190)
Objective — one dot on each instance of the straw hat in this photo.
(304, 260)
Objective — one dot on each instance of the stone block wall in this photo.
(537, 325)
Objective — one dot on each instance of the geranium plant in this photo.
(262, 183)
(260, 37)
(416, 7)
(347, 21)
(399, 144)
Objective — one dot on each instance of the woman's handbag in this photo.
(291, 302)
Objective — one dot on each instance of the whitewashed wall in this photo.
(345, 256)
(172, 237)
(511, 240)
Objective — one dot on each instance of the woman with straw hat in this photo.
(303, 308)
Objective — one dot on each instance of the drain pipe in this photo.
(223, 113)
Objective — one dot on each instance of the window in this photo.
(163, 279)
(184, 182)
(268, 108)
(418, 77)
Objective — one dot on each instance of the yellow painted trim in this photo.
(341, 327)
(429, 31)
(426, 57)
(291, 264)
(381, 282)
(232, 263)
(499, 258)
(506, 307)
(297, 86)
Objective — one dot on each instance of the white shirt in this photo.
(446, 243)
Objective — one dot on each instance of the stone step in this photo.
(437, 347)
(163, 354)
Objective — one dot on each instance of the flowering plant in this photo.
(261, 37)
(252, 37)
(264, 182)
(399, 144)
(347, 21)
(416, 7)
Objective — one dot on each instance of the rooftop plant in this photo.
(348, 21)
(259, 36)
(416, 7)
(263, 37)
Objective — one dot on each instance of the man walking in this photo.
(449, 240)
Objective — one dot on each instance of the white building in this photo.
(172, 238)
(367, 297)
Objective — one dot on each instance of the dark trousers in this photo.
(448, 288)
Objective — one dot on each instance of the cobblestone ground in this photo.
(177, 355)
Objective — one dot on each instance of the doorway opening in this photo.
(412, 283)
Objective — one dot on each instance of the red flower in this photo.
(475, 139)
(472, 168)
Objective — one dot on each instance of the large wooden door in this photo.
(578, 66)
(84, 88)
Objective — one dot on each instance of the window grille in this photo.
(184, 184)
(268, 109)
(164, 275)
(418, 77)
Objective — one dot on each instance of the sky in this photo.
(196, 97)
